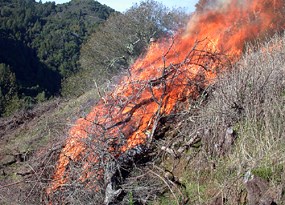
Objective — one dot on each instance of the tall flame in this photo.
(171, 71)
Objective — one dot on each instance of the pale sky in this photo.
(122, 5)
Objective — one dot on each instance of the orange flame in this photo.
(167, 74)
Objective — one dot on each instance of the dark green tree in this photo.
(41, 43)
(9, 100)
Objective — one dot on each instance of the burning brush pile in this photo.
(124, 125)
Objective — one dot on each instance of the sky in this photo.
(122, 5)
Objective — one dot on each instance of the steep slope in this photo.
(158, 84)
(219, 150)
(214, 137)
(232, 137)
(30, 142)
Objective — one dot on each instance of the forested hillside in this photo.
(39, 47)
(155, 106)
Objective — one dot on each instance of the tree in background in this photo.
(40, 44)
(9, 100)
(120, 40)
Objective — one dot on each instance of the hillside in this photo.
(169, 109)
(194, 163)
(40, 46)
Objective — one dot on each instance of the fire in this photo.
(170, 72)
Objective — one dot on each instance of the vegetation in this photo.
(40, 45)
(115, 45)
(245, 104)
(8, 92)
(232, 135)
(250, 101)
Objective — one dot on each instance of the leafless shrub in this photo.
(250, 91)
(254, 85)
(242, 95)
(109, 171)
(246, 104)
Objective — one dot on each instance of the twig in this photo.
(162, 178)
(8, 185)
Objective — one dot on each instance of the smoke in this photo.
(221, 5)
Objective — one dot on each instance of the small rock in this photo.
(3, 173)
(217, 201)
(257, 189)
(7, 160)
(24, 171)
(169, 175)
(230, 131)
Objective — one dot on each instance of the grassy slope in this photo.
(249, 100)
(30, 144)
